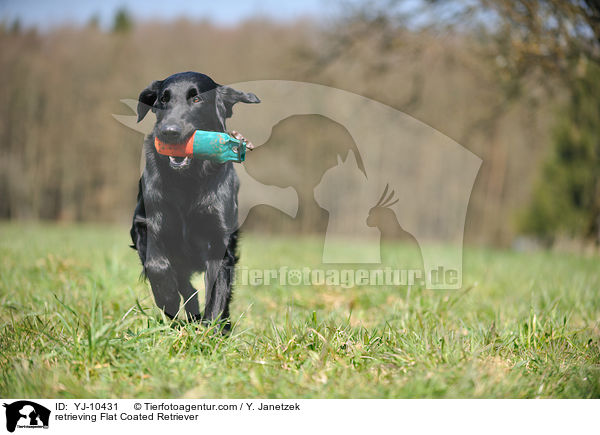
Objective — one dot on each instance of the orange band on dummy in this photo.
(175, 150)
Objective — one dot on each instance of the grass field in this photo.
(76, 322)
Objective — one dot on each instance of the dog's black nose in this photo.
(171, 132)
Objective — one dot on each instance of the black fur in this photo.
(185, 220)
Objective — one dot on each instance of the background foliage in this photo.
(64, 158)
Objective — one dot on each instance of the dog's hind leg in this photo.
(139, 230)
(219, 280)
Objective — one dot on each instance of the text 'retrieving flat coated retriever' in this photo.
(186, 216)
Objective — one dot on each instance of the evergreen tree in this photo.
(566, 198)
(123, 22)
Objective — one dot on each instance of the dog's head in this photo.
(186, 102)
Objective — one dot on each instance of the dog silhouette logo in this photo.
(26, 414)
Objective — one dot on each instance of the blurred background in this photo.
(515, 82)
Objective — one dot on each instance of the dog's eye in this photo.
(196, 99)
(164, 98)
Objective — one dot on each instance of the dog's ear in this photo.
(147, 98)
(227, 97)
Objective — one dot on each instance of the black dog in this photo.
(186, 216)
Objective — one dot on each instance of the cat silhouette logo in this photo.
(26, 414)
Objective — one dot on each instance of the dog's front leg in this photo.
(163, 279)
(218, 291)
(219, 279)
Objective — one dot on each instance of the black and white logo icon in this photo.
(25, 414)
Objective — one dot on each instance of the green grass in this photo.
(76, 321)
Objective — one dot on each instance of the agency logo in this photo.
(400, 176)
(25, 414)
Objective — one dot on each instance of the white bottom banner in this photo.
(244, 416)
